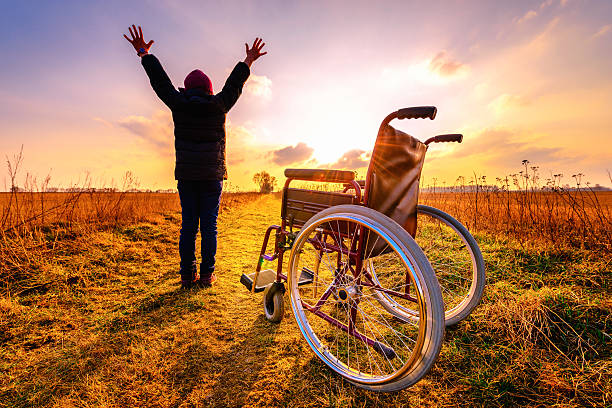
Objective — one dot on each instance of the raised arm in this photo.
(137, 41)
(157, 76)
(233, 86)
(255, 52)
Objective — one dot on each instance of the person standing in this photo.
(199, 140)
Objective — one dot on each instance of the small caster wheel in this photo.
(273, 302)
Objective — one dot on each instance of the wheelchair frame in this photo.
(303, 207)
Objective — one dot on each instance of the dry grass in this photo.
(35, 225)
(520, 208)
(91, 313)
(111, 328)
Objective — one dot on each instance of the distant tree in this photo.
(265, 181)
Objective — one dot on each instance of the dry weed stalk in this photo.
(520, 207)
(33, 219)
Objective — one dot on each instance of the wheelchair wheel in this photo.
(456, 260)
(273, 303)
(337, 311)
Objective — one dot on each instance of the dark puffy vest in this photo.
(199, 121)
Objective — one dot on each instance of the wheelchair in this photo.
(373, 277)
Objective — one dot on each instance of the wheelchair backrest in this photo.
(392, 185)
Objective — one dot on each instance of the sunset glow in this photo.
(521, 80)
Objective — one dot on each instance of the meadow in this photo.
(91, 313)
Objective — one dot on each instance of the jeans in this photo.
(199, 205)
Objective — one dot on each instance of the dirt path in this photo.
(228, 354)
(248, 366)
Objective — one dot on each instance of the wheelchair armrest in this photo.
(331, 176)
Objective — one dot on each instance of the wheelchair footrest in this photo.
(268, 276)
(265, 278)
(306, 276)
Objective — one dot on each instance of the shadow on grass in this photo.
(63, 369)
(225, 377)
(195, 354)
(144, 313)
(332, 390)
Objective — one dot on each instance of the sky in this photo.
(520, 80)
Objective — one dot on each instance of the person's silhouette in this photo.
(199, 140)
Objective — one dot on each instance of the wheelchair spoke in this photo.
(341, 311)
(455, 258)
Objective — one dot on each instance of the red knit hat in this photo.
(198, 79)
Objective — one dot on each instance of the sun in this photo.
(331, 136)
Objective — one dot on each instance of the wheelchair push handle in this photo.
(417, 112)
(453, 137)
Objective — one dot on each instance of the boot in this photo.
(189, 276)
(207, 277)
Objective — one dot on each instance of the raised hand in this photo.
(137, 41)
(255, 51)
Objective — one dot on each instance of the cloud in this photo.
(602, 31)
(103, 121)
(244, 153)
(352, 160)
(241, 144)
(259, 86)
(291, 154)
(444, 66)
(508, 101)
(527, 16)
(503, 148)
(158, 130)
(546, 3)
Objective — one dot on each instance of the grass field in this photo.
(96, 318)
